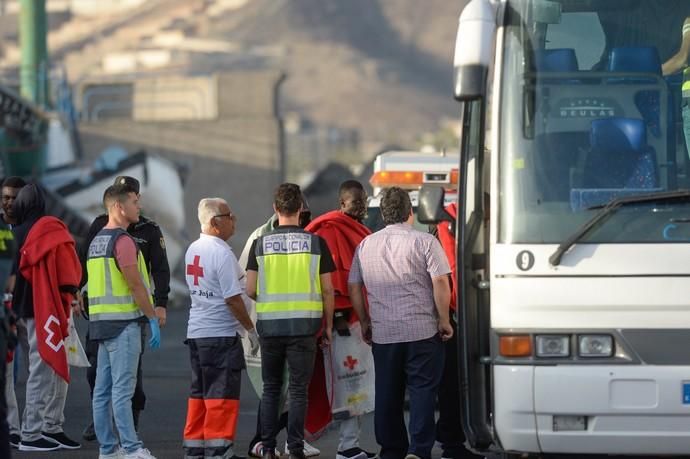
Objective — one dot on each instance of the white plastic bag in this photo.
(349, 366)
(76, 356)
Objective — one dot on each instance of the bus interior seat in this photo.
(556, 60)
(619, 162)
(556, 156)
(642, 59)
(556, 152)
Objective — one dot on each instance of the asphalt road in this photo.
(166, 383)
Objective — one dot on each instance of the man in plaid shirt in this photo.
(405, 273)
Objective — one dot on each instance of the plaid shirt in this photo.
(396, 266)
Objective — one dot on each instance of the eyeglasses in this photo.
(229, 214)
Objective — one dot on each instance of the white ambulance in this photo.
(410, 170)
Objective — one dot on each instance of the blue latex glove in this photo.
(155, 340)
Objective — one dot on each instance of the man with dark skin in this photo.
(10, 188)
(342, 230)
(7, 251)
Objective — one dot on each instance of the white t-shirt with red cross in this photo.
(212, 275)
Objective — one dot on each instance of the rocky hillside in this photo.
(381, 66)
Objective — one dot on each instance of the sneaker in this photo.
(355, 453)
(141, 453)
(15, 439)
(268, 453)
(61, 439)
(89, 434)
(412, 456)
(119, 454)
(309, 450)
(38, 445)
(258, 451)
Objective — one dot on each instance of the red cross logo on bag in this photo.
(350, 363)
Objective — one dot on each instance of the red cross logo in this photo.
(195, 270)
(53, 332)
(350, 362)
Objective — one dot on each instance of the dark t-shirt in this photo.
(326, 264)
(23, 294)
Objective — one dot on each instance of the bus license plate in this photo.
(686, 392)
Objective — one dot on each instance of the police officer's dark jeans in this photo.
(299, 353)
(91, 349)
(419, 366)
(282, 424)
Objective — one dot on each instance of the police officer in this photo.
(294, 290)
(149, 239)
(676, 63)
(7, 251)
(120, 306)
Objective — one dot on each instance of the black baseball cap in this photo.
(128, 181)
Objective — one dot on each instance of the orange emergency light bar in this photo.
(413, 179)
(454, 176)
(403, 179)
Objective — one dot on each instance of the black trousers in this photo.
(299, 353)
(282, 424)
(91, 349)
(417, 366)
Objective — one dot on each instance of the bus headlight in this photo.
(595, 345)
(553, 345)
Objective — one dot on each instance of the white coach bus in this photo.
(573, 226)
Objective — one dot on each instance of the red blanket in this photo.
(49, 261)
(448, 243)
(342, 235)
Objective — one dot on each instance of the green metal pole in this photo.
(34, 51)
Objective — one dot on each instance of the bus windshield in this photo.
(591, 110)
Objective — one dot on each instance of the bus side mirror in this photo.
(430, 209)
(474, 49)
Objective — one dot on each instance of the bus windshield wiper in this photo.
(607, 210)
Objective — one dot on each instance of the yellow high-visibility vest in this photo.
(110, 298)
(288, 291)
(686, 82)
